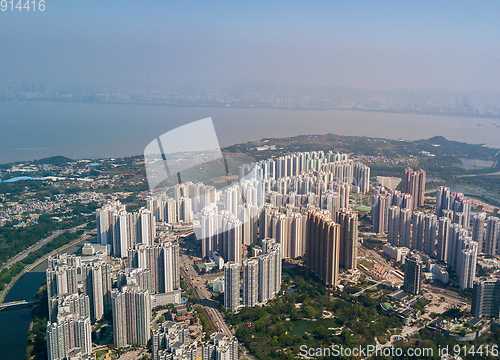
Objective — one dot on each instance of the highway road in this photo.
(37, 262)
(23, 254)
(198, 284)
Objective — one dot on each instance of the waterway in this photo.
(34, 130)
(14, 323)
(21, 178)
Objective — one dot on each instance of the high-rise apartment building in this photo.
(478, 230)
(232, 285)
(393, 225)
(131, 316)
(70, 333)
(69, 303)
(405, 228)
(105, 225)
(348, 252)
(443, 237)
(380, 213)
(430, 232)
(270, 270)
(361, 176)
(466, 267)
(492, 235)
(162, 260)
(417, 233)
(250, 282)
(96, 278)
(323, 247)
(230, 238)
(61, 279)
(209, 229)
(172, 340)
(454, 245)
(442, 200)
(220, 347)
(414, 184)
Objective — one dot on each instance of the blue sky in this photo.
(159, 44)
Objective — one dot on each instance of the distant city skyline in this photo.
(482, 103)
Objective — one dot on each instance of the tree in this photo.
(309, 311)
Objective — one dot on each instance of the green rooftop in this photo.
(387, 305)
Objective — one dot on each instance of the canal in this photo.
(15, 322)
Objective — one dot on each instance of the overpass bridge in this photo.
(17, 303)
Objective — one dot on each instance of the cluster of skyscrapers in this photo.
(338, 165)
(119, 230)
(261, 278)
(445, 235)
(331, 243)
(383, 200)
(273, 200)
(153, 277)
(172, 210)
(414, 184)
(78, 290)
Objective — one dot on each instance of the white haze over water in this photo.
(35, 130)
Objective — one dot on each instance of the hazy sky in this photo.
(159, 44)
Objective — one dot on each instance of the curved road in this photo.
(197, 283)
(37, 262)
(23, 254)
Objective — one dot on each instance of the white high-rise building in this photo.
(96, 278)
(466, 263)
(393, 225)
(443, 237)
(61, 279)
(418, 226)
(492, 235)
(69, 303)
(232, 285)
(430, 231)
(405, 228)
(297, 245)
(162, 260)
(105, 224)
(361, 176)
(233, 199)
(185, 209)
(456, 233)
(231, 237)
(442, 200)
(250, 282)
(122, 234)
(147, 226)
(478, 230)
(270, 269)
(70, 332)
(209, 229)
